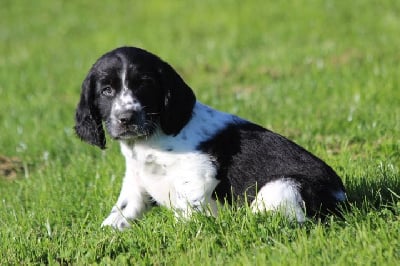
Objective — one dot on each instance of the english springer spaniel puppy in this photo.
(187, 156)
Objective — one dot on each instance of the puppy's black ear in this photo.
(88, 125)
(179, 100)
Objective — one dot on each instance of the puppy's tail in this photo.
(322, 200)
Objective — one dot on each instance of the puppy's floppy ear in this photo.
(88, 125)
(178, 103)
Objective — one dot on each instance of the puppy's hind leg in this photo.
(283, 196)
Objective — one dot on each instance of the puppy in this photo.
(187, 156)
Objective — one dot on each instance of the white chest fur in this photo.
(173, 179)
(169, 168)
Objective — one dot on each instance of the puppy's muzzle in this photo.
(128, 117)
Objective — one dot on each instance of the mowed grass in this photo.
(323, 73)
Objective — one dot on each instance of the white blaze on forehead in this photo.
(123, 77)
(126, 99)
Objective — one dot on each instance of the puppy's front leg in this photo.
(132, 202)
(195, 195)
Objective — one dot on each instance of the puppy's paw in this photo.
(116, 220)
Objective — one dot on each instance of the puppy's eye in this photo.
(108, 91)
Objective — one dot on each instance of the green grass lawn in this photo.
(323, 73)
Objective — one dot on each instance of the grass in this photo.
(323, 73)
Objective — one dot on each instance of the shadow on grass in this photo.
(378, 193)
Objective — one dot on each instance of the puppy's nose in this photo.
(126, 118)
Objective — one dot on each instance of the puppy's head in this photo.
(134, 93)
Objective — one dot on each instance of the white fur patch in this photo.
(126, 100)
(280, 195)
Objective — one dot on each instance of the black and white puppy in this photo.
(187, 156)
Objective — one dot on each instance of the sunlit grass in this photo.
(324, 73)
